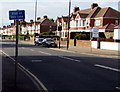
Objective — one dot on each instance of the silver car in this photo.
(48, 42)
(38, 41)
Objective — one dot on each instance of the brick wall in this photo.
(81, 43)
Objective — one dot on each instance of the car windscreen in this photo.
(40, 39)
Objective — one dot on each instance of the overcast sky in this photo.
(51, 8)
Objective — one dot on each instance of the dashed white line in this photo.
(36, 61)
(32, 50)
(45, 53)
(106, 67)
(69, 58)
(23, 47)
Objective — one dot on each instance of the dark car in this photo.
(38, 41)
(48, 42)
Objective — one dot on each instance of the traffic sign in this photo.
(95, 32)
(16, 14)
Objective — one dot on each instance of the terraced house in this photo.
(41, 25)
(82, 20)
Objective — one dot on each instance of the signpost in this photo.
(95, 34)
(16, 15)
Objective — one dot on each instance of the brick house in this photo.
(83, 20)
(41, 25)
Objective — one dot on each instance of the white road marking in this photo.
(118, 88)
(36, 61)
(27, 71)
(69, 58)
(32, 50)
(45, 53)
(23, 47)
(106, 67)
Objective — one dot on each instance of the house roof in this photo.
(85, 11)
(108, 27)
(93, 12)
(40, 20)
(108, 12)
(65, 18)
(83, 15)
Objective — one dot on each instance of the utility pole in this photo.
(35, 14)
(68, 24)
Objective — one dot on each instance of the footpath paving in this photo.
(86, 50)
(24, 83)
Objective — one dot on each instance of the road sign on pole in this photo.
(16, 15)
(95, 32)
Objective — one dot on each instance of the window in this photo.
(116, 22)
(83, 22)
(97, 22)
(80, 22)
(76, 23)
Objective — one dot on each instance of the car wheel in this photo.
(43, 45)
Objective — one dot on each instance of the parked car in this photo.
(48, 42)
(38, 41)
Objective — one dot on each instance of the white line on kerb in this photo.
(45, 53)
(69, 58)
(26, 71)
(106, 67)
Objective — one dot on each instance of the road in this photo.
(59, 70)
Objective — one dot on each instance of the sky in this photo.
(51, 8)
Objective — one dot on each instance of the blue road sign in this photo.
(18, 14)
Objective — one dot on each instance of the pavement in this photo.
(24, 82)
(86, 50)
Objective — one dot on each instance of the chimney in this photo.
(38, 18)
(76, 9)
(31, 21)
(94, 5)
(45, 17)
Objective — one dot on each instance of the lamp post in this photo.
(68, 25)
(35, 14)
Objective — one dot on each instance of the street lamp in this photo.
(35, 14)
(68, 24)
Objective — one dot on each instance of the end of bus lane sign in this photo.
(17, 14)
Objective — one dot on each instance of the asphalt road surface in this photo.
(59, 70)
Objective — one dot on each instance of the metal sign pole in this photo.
(16, 15)
(16, 53)
(59, 39)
